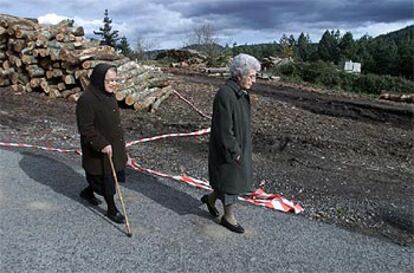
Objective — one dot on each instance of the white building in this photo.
(352, 67)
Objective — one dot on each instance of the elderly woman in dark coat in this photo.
(230, 147)
(101, 137)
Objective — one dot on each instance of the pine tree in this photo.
(406, 58)
(303, 47)
(347, 47)
(124, 46)
(327, 48)
(363, 54)
(385, 55)
(108, 37)
(286, 47)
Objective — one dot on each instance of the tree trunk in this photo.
(70, 92)
(163, 97)
(69, 79)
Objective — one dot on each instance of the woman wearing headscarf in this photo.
(101, 137)
(230, 146)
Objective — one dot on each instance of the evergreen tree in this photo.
(406, 58)
(108, 37)
(337, 36)
(385, 55)
(286, 47)
(327, 48)
(124, 46)
(303, 47)
(363, 54)
(347, 47)
(292, 40)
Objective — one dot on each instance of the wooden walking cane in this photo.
(118, 190)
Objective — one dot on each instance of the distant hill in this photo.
(397, 36)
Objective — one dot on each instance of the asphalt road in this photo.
(46, 227)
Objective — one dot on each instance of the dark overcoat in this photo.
(99, 125)
(230, 137)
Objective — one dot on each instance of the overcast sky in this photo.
(168, 23)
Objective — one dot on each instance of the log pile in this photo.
(271, 61)
(58, 60)
(183, 57)
(216, 71)
(142, 86)
(406, 98)
(224, 72)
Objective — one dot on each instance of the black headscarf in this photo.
(98, 75)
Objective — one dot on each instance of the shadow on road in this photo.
(62, 179)
(166, 196)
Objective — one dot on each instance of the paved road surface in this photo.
(46, 227)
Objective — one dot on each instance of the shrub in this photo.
(329, 76)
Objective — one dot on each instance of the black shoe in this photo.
(117, 217)
(213, 211)
(90, 197)
(235, 228)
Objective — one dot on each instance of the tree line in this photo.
(390, 54)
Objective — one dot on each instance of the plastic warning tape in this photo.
(191, 104)
(181, 178)
(195, 133)
(259, 197)
(20, 145)
(271, 200)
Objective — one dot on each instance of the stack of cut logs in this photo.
(58, 61)
(271, 61)
(407, 98)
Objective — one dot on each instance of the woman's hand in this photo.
(107, 150)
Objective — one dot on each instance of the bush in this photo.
(329, 76)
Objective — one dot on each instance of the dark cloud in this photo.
(271, 14)
(368, 11)
(171, 21)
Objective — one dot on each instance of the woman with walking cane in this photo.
(102, 139)
(230, 148)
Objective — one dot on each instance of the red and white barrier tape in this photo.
(195, 133)
(271, 200)
(192, 105)
(258, 198)
(19, 145)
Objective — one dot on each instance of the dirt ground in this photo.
(348, 160)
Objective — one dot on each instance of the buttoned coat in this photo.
(99, 125)
(230, 138)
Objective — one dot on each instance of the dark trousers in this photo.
(104, 185)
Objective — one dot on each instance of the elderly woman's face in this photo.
(110, 81)
(247, 81)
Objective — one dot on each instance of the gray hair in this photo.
(242, 64)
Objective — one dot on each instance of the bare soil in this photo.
(347, 159)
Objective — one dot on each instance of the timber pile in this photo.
(58, 60)
(216, 71)
(142, 86)
(183, 57)
(407, 98)
(271, 61)
(224, 72)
